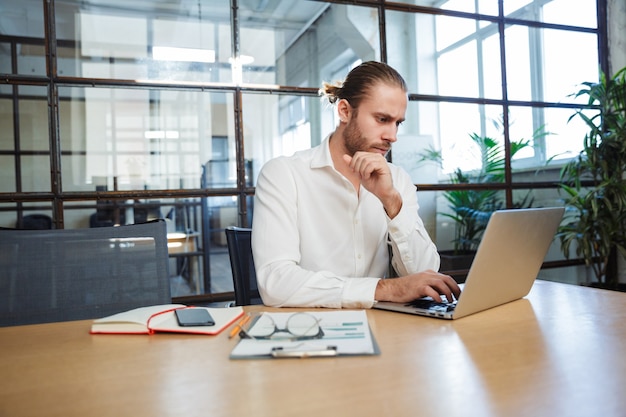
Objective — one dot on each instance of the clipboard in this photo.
(345, 333)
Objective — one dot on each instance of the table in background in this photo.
(560, 352)
(184, 247)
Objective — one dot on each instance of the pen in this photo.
(239, 326)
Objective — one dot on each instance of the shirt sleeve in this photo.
(275, 244)
(412, 248)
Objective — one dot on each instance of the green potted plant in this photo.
(595, 184)
(470, 209)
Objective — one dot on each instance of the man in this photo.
(324, 217)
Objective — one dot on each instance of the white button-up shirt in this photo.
(316, 243)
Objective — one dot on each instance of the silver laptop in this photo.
(504, 269)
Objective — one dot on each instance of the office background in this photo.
(115, 112)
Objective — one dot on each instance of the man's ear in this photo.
(344, 110)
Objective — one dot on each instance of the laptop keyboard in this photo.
(432, 305)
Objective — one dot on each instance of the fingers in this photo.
(432, 293)
(423, 284)
(367, 164)
(434, 284)
(439, 284)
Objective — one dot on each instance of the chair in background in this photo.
(74, 274)
(35, 222)
(242, 265)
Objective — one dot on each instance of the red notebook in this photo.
(161, 318)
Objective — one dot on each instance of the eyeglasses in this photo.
(300, 326)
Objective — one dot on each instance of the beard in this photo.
(353, 138)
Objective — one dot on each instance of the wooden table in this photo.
(560, 352)
(185, 246)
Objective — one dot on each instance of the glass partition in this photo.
(145, 41)
(307, 48)
(31, 215)
(29, 169)
(129, 139)
(281, 124)
(24, 24)
(7, 141)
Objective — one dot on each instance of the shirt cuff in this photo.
(359, 293)
(399, 225)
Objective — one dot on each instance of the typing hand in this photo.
(423, 284)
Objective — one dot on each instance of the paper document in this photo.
(345, 332)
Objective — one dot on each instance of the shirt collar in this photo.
(321, 155)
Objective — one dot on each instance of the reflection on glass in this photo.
(5, 58)
(288, 43)
(294, 42)
(34, 216)
(122, 139)
(162, 41)
(15, 22)
(282, 124)
(7, 174)
(6, 133)
(37, 178)
(198, 256)
(33, 123)
(217, 214)
(31, 59)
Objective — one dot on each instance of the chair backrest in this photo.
(242, 265)
(75, 274)
(36, 222)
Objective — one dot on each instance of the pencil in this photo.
(239, 326)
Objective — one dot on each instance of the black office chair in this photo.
(35, 222)
(74, 274)
(242, 264)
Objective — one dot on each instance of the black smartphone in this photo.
(194, 317)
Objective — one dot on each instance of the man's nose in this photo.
(391, 133)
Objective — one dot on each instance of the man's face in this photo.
(373, 126)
